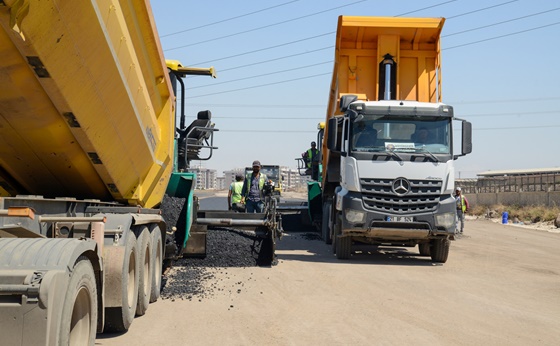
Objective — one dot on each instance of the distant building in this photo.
(205, 178)
(229, 176)
(291, 178)
(220, 183)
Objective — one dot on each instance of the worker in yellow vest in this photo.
(462, 207)
(235, 199)
(311, 158)
(253, 189)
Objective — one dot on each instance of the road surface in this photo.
(500, 286)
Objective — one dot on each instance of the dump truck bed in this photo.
(86, 106)
(361, 46)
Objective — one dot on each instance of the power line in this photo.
(275, 59)
(516, 128)
(482, 9)
(510, 114)
(261, 75)
(260, 86)
(230, 105)
(425, 8)
(266, 26)
(507, 100)
(461, 45)
(252, 105)
(266, 48)
(229, 19)
(503, 22)
(314, 118)
(501, 36)
(308, 131)
(312, 37)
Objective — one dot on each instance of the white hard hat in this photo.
(458, 189)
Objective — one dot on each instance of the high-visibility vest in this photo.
(236, 187)
(461, 203)
(247, 184)
(310, 156)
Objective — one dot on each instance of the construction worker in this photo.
(311, 158)
(235, 198)
(462, 207)
(253, 189)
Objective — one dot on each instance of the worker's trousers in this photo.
(460, 221)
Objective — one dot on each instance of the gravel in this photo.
(195, 278)
(202, 278)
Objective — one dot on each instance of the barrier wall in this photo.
(549, 199)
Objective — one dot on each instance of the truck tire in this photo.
(144, 245)
(424, 249)
(157, 258)
(343, 244)
(440, 250)
(78, 322)
(119, 319)
(325, 230)
(336, 231)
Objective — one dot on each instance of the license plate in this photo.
(402, 219)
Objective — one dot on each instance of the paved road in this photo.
(500, 286)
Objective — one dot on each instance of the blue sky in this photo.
(274, 63)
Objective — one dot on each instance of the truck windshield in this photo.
(271, 172)
(428, 135)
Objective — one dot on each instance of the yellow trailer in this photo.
(87, 150)
(87, 107)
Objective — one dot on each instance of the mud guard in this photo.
(32, 296)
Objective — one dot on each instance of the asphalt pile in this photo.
(195, 278)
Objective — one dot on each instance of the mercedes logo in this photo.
(401, 186)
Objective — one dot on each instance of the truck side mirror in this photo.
(466, 145)
(334, 135)
(345, 101)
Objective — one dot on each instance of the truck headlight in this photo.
(354, 216)
(446, 220)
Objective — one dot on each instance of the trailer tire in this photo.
(119, 319)
(440, 250)
(325, 230)
(424, 249)
(144, 245)
(336, 231)
(78, 322)
(343, 244)
(157, 257)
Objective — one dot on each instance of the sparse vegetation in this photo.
(523, 213)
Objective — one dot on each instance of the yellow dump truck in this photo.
(388, 146)
(88, 149)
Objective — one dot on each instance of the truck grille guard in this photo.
(420, 196)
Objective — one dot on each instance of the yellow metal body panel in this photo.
(362, 43)
(86, 106)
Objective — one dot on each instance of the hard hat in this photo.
(458, 189)
(256, 163)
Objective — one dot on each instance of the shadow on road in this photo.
(309, 247)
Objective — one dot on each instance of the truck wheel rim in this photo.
(80, 330)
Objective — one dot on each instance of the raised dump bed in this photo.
(86, 106)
